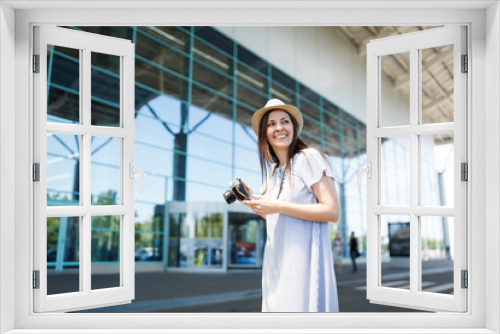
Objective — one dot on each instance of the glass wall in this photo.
(195, 92)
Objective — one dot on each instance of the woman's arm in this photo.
(326, 210)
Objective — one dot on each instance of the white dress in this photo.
(297, 273)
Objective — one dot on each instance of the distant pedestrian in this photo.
(338, 253)
(298, 201)
(353, 245)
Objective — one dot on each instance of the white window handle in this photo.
(368, 171)
(133, 170)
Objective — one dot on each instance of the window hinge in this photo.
(36, 63)
(465, 279)
(36, 279)
(36, 172)
(464, 171)
(465, 64)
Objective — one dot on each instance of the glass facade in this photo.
(195, 92)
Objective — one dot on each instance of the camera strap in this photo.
(271, 175)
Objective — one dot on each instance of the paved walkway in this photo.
(240, 290)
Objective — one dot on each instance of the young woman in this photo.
(298, 200)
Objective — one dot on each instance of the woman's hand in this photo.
(263, 205)
(250, 191)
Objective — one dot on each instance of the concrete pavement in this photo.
(240, 290)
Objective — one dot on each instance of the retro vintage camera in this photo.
(237, 191)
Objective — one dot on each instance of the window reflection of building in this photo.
(196, 90)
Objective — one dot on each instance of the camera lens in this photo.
(229, 196)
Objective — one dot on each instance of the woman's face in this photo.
(279, 130)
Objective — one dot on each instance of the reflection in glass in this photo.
(63, 254)
(63, 84)
(217, 103)
(176, 222)
(154, 51)
(437, 251)
(196, 240)
(247, 235)
(149, 225)
(211, 56)
(395, 108)
(105, 252)
(395, 250)
(437, 87)
(437, 174)
(105, 171)
(395, 171)
(63, 169)
(206, 174)
(105, 87)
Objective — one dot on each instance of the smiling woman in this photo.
(298, 201)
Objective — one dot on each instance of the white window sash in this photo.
(86, 297)
(414, 297)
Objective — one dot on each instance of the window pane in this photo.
(247, 235)
(330, 122)
(437, 85)
(63, 85)
(105, 86)
(177, 225)
(172, 36)
(252, 77)
(63, 255)
(159, 54)
(243, 118)
(211, 55)
(395, 171)
(105, 250)
(106, 170)
(63, 169)
(395, 108)
(437, 174)
(437, 251)
(332, 138)
(210, 124)
(253, 99)
(160, 80)
(149, 223)
(395, 251)
(213, 102)
(212, 79)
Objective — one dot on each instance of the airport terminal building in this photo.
(196, 89)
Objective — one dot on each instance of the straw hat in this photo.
(277, 104)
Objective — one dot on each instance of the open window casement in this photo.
(96, 112)
(415, 216)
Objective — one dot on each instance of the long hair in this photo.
(267, 156)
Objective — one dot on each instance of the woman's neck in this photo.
(282, 158)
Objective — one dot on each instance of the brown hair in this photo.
(267, 156)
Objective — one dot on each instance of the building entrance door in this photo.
(246, 240)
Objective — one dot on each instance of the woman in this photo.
(298, 200)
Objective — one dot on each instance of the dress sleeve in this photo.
(311, 166)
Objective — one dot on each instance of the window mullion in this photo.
(85, 179)
(414, 170)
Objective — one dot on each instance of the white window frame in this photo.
(85, 43)
(484, 47)
(413, 43)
